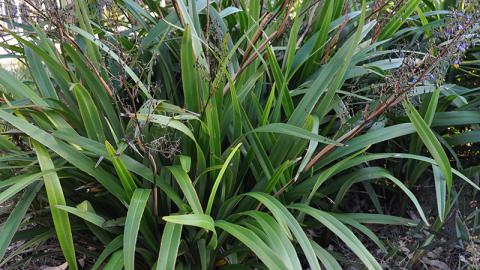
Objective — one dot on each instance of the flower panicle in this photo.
(448, 46)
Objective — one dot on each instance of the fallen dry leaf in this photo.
(60, 267)
(436, 264)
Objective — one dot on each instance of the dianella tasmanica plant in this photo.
(242, 134)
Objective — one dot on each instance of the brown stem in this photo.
(177, 10)
(154, 189)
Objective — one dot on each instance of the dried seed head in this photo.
(165, 146)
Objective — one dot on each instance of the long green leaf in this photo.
(278, 240)
(219, 179)
(125, 177)
(11, 225)
(431, 142)
(343, 232)
(88, 111)
(294, 131)
(167, 256)
(187, 188)
(56, 197)
(18, 183)
(45, 86)
(198, 220)
(167, 121)
(68, 152)
(85, 215)
(323, 22)
(114, 245)
(132, 225)
(325, 257)
(18, 89)
(252, 241)
(440, 192)
(370, 173)
(283, 216)
(92, 81)
(377, 219)
(398, 19)
(189, 78)
(115, 262)
(82, 16)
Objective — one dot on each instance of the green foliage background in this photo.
(230, 134)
